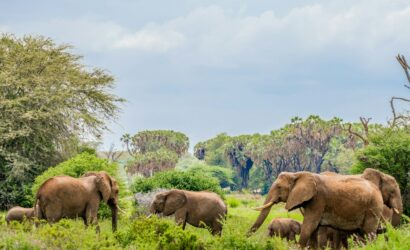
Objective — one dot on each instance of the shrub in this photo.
(233, 202)
(79, 165)
(153, 233)
(389, 152)
(223, 174)
(177, 179)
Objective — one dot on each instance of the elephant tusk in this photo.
(396, 210)
(263, 207)
(119, 209)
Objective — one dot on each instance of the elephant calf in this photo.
(195, 208)
(284, 228)
(19, 213)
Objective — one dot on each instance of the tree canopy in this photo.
(154, 150)
(49, 100)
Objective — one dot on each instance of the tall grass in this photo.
(163, 233)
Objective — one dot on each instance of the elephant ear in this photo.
(103, 184)
(374, 176)
(304, 189)
(174, 200)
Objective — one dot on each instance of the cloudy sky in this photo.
(235, 66)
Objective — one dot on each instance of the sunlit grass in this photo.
(142, 233)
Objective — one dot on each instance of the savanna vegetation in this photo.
(50, 102)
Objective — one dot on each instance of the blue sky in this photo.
(235, 66)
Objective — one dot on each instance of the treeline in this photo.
(311, 144)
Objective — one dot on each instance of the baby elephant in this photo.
(19, 213)
(195, 208)
(284, 228)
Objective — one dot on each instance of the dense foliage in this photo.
(177, 179)
(390, 153)
(48, 99)
(153, 140)
(154, 150)
(151, 162)
(225, 175)
(79, 165)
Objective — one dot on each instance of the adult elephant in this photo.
(342, 203)
(67, 197)
(392, 209)
(198, 209)
(390, 191)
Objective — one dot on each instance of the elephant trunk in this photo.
(265, 209)
(114, 217)
(397, 207)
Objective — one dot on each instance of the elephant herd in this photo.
(334, 206)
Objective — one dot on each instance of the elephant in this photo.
(19, 214)
(348, 203)
(390, 191)
(392, 208)
(68, 197)
(284, 228)
(198, 209)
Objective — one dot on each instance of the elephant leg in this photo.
(216, 228)
(291, 236)
(91, 217)
(370, 225)
(53, 212)
(309, 226)
(322, 237)
(181, 217)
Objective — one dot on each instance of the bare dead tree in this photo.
(365, 136)
(113, 155)
(398, 118)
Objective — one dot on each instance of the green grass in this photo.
(154, 233)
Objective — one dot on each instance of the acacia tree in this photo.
(154, 150)
(48, 100)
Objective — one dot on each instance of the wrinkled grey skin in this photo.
(284, 228)
(198, 209)
(19, 214)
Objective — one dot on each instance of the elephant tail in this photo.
(37, 209)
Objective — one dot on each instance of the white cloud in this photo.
(150, 40)
(221, 37)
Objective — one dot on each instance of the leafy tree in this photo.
(389, 152)
(213, 150)
(48, 100)
(151, 162)
(153, 140)
(154, 150)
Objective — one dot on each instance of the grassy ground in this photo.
(153, 233)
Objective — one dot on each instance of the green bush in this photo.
(177, 179)
(153, 233)
(223, 174)
(79, 165)
(233, 202)
(389, 152)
